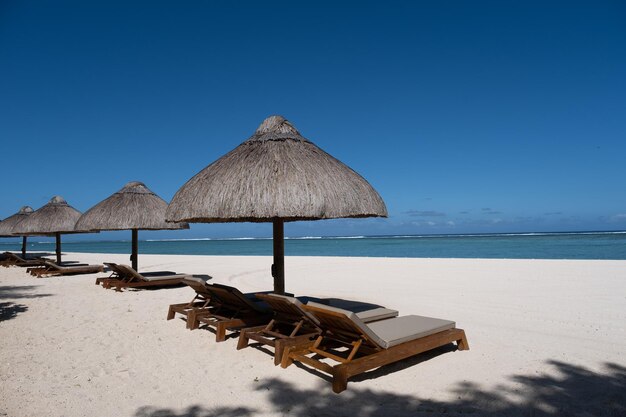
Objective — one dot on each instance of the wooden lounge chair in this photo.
(368, 346)
(123, 276)
(292, 325)
(51, 269)
(13, 259)
(201, 302)
(232, 311)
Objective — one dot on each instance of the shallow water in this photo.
(589, 245)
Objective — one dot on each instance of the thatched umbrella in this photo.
(135, 208)
(55, 218)
(7, 225)
(275, 176)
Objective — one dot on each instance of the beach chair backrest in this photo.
(121, 273)
(198, 285)
(343, 324)
(287, 308)
(127, 271)
(233, 298)
(15, 257)
(52, 265)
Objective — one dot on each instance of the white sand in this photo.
(542, 335)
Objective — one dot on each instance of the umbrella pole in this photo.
(24, 238)
(133, 256)
(278, 268)
(58, 241)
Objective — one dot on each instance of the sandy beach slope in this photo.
(547, 338)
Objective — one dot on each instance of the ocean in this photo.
(574, 245)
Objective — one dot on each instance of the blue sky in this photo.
(483, 116)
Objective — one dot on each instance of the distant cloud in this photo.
(617, 217)
(451, 223)
(553, 213)
(425, 213)
(526, 219)
(464, 212)
(487, 210)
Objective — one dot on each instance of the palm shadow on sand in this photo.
(568, 390)
(9, 309)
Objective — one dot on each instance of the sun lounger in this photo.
(123, 276)
(199, 303)
(232, 311)
(292, 325)
(203, 300)
(371, 345)
(51, 269)
(13, 259)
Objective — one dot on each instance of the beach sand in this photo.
(547, 337)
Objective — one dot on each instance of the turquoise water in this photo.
(590, 245)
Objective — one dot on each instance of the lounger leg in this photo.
(192, 321)
(220, 330)
(243, 340)
(462, 342)
(170, 313)
(279, 350)
(298, 342)
(286, 359)
(340, 378)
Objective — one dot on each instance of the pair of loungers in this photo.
(52, 269)
(42, 267)
(220, 307)
(313, 333)
(13, 259)
(123, 276)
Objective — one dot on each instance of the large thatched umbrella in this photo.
(275, 176)
(55, 218)
(7, 225)
(135, 208)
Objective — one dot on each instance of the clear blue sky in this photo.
(483, 116)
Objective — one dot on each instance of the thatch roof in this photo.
(275, 174)
(132, 207)
(6, 226)
(55, 217)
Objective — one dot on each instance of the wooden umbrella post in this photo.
(57, 236)
(278, 268)
(24, 238)
(133, 256)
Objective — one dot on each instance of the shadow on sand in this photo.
(195, 411)
(9, 309)
(567, 390)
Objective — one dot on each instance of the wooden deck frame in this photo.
(119, 284)
(51, 269)
(362, 354)
(203, 301)
(231, 311)
(12, 259)
(224, 320)
(123, 276)
(289, 327)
